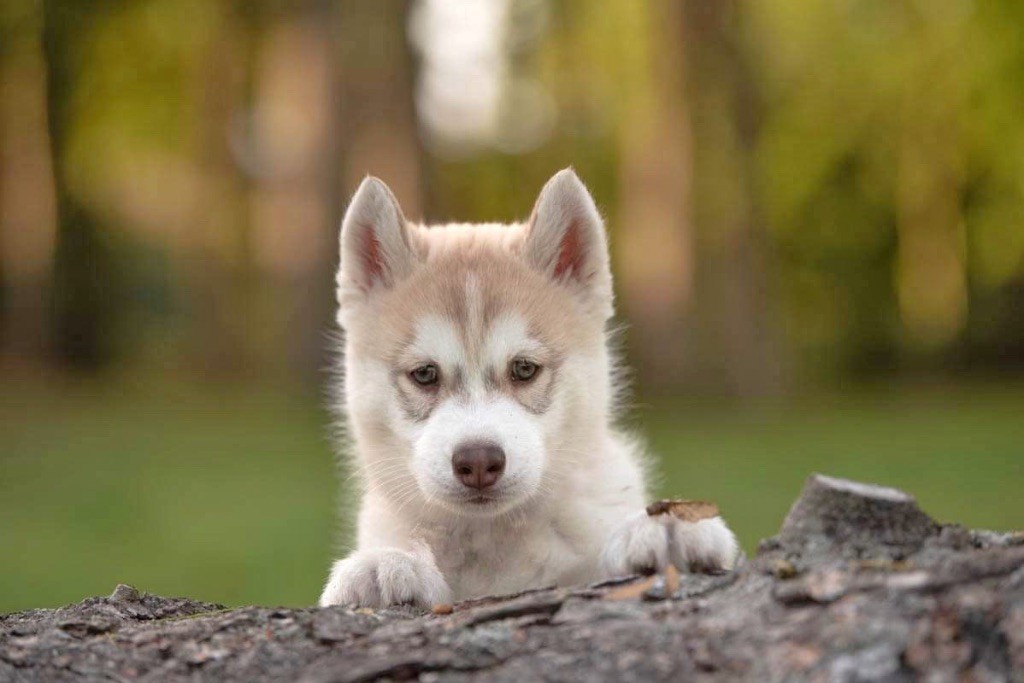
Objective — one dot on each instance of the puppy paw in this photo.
(707, 546)
(639, 545)
(643, 544)
(380, 577)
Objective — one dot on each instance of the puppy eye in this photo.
(524, 370)
(425, 375)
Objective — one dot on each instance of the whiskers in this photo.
(364, 474)
(564, 461)
(392, 478)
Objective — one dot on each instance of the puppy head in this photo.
(469, 349)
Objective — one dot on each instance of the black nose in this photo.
(478, 465)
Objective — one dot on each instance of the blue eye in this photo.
(523, 370)
(425, 375)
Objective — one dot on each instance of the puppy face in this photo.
(467, 346)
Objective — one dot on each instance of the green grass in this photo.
(224, 496)
(961, 454)
(229, 495)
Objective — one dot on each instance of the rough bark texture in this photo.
(858, 585)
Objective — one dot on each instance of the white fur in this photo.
(496, 420)
(645, 543)
(507, 338)
(388, 576)
(569, 507)
(437, 340)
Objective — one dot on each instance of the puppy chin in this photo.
(482, 504)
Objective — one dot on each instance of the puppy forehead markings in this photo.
(469, 300)
(508, 336)
(474, 307)
(474, 351)
(435, 338)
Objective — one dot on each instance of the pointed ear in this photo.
(566, 240)
(375, 249)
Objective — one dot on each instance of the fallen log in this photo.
(859, 584)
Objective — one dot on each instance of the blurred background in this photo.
(816, 210)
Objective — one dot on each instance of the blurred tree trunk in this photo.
(219, 268)
(312, 289)
(8, 315)
(85, 306)
(655, 176)
(378, 114)
(370, 128)
(931, 277)
(738, 339)
(27, 221)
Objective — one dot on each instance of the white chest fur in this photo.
(486, 557)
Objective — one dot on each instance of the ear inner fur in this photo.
(373, 265)
(375, 249)
(570, 253)
(565, 241)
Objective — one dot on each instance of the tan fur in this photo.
(454, 255)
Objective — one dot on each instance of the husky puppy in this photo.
(479, 396)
